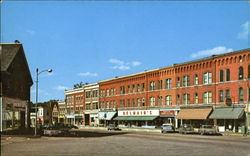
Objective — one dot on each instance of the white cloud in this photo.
(245, 31)
(61, 88)
(31, 32)
(88, 74)
(213, 51)
(122, 65)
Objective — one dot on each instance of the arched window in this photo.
(241, 73)
(196, 79)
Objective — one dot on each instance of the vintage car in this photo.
(208, 129)
(112, 127)
(165, 128)
(59, 130)
(186, 128)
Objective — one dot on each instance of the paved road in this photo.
(127, 143)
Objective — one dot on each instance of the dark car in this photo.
(186, 128)
(165, 128)
(59, 130)
(208, 129)
(112, 127)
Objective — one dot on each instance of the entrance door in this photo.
(86, 118)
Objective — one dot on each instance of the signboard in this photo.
(138, 113)
(167, 112)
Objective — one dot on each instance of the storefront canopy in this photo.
(106, 115)
(227, 113)
(194, 114)
(136, 118)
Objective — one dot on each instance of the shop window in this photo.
(221, 76)
(241, 94)
(227, 74)
(221, 96)
(241, 73)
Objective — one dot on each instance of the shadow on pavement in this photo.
(87, 134)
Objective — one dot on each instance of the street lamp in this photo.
(37, 73)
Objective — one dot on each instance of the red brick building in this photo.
(195, 90)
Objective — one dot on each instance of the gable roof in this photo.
(8, 52)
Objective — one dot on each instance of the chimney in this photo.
(17, 42)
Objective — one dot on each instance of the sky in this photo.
(90, 41)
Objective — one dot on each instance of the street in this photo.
(99, 142)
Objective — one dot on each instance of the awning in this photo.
(106, 115)
(194, 114)
(136, 118)
(227, 113)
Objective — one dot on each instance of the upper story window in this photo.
(207, 78)
(138, 102)
(178, 82)
(241, 73)
(228, 75)
(122, 90)
(168, 83)
(196, 79)
(95, 93)
(227, 94)
(196, 98)
(143, 87)
(159, 100)
(186, 98)
(133, 88)
(221, 96)
(107, 92)
(138, 88)
(185, 81)
(207, 97)
(143, 102)
(168, 100)
(178, 99)
(159, 84)
(241, 94)
(249, 71)
(152, 101)
(87, 95)
(152, 85)
(221, 75)
(128, 89)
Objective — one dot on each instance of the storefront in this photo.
(138, 118)
(228, 118)
(106, 118)
(70, 119)
(94, 121)
(78, 119)
(168, 116)
(195, 116)
(61, 118)
(12, 113)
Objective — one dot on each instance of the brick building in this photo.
(75, 104)
(193, 92)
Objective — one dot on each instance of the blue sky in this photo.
(92, 41)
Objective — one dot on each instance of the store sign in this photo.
(14, 103)
(167, 112)
(138, 113)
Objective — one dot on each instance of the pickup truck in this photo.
(208, 129)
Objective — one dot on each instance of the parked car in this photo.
(208, 129)
(186, 128)
(165, 128)
(59, 130)
(112, 127)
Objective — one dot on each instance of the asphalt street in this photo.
(126, 143)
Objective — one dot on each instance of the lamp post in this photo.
(37, 73)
